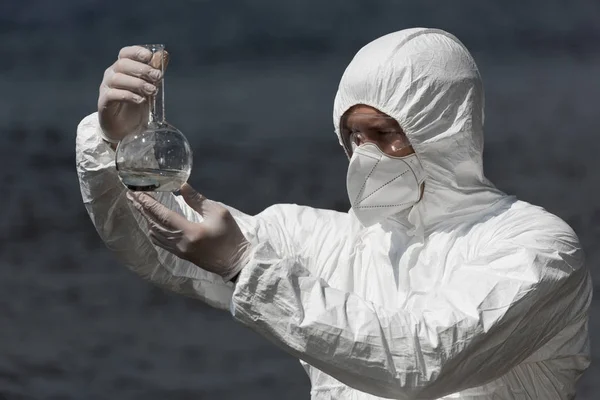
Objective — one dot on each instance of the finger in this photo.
(159, 229)
(146, 56)
(193, 198)
(206, 208)
(138, 69)
(155, 225)
(111, 95)
(134, 199)
(158, 58)
(120, 80)
(163, 216)
(167, 241)
(168, 244)
(160, 241)
(136, 53)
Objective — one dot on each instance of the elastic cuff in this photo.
(261, 253)
(245, 254)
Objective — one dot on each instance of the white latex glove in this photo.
(216, 244)
(122, 105)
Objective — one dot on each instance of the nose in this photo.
(359, 138)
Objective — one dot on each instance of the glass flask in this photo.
(159, 158)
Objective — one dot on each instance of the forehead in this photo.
(366, 116)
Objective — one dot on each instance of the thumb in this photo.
(193, 198)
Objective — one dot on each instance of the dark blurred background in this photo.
(251, 83)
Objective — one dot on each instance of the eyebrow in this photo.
(383, 122)
(373, 122)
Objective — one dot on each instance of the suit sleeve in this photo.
(123, 230)
(491, 313)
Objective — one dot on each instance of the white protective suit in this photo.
(471, 294)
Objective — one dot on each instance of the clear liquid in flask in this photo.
(153, 180)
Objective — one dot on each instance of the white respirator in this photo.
(380, 185)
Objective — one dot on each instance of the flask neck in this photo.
(157, 105)
(157, 101)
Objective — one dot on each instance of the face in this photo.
(363, 124)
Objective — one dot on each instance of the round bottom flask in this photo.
(159, 158)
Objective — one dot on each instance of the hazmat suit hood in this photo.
(427, 80)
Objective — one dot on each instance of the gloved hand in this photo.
(216, 244)
(122, 105)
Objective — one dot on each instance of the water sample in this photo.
(153, 180)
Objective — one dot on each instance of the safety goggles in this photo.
(383, 131)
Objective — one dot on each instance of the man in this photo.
(434, 284)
